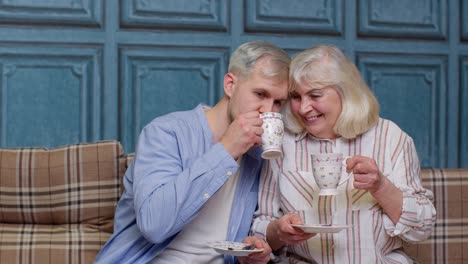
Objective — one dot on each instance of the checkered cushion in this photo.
(449, 241)
(57, 206)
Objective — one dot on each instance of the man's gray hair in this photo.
(248, 54)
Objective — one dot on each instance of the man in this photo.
(194, 178)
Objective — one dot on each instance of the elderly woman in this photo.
(332, 110)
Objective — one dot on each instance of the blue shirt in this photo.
(177, 167)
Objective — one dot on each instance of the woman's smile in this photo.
(312, 119)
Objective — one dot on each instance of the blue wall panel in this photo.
(464, 20)
(64, 12)
(464, 112)
(49, 96)
(176, 14)
(301, 17)
(160, 80)
(85, 70)
(403, 18)
(412, 93)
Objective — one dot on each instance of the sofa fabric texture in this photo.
(449, 240)
(57, 205)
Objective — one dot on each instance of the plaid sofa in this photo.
(57, 206)
(449, 241)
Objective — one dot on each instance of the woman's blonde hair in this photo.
(327, 66)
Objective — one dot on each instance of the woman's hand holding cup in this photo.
(367, 175)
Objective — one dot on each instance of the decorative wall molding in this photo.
(49, 94)
(404, 18)
(464, 20)
(399, 79)
(464, 111)
(52, 13)
(159, 80)
(204, 15)
(294, 16)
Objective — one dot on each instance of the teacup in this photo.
(327, 169)
(272, 137)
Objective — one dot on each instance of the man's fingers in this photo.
(257, 257)
(258, 130)
(253, 121)
(251, 114)
(259, 243)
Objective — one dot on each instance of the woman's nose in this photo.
(305, 106)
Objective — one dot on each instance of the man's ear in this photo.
(229, 84)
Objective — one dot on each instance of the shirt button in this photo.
(206, 196)
(229, 173)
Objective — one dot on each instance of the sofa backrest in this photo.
(82, 184)
(71, 184)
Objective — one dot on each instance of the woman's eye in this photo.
(259, 94)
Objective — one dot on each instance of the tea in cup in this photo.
(327, 169)
(272, 137)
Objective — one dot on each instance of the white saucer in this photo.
(232, 248)
(322, 228)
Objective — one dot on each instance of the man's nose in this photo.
(266, 107)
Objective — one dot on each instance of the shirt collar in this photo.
(302, 135)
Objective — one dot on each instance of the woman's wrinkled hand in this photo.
(258, 257)
(281, 232)
(367, 175)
